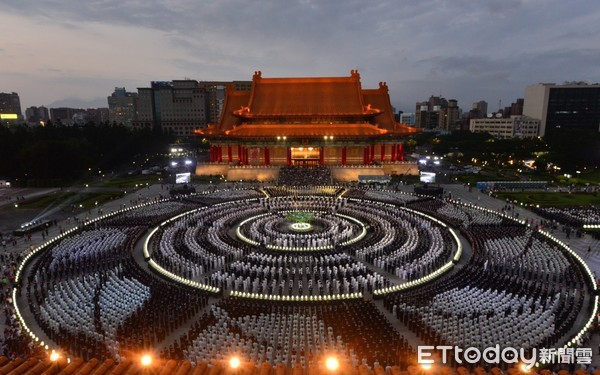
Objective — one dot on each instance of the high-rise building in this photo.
(177, 107)
(479, 109)
(427, 113)
(516, 108)
(421, 114)
(37, 115)
(97, 115)
(216, 91)
(437, 113)
(449, 116)
(122, 106)
(182, 106)
(407, 119)
(572, 105)
(10, 108)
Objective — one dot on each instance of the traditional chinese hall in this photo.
(328, 121)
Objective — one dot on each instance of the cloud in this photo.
(456, 47)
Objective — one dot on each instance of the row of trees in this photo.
(571, 150)
(65, 154)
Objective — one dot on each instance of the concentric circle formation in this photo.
(275, 230)
(229, 271)
(301, 227)
(346, 239)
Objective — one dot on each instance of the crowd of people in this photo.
(319, 273)
(519, 289)
(326, 230)
(306, 190)
(399, 243)
(380, 194)
(91, 297)
(14, 341)
(402, 243)
(318, 175)
(294, 334)
(198, 242)
(575, 217)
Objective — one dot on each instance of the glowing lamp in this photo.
(146, 360)
(332, 363)
(234, 362)
(524, 368)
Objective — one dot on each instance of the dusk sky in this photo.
(73, 53)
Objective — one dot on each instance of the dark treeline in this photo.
(58, 154)
(570, 148)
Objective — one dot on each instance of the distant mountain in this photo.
(80, 103)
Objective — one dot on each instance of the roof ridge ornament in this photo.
(383, 86)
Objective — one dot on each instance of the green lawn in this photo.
(585, 177)
(551, 199)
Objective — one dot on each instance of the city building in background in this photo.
(501, 127)
(10, 108)
(479, 109)
(180, 107)
(407, 119)
(449, 116)
(177, 107)
(572, 105)
(37, 115)
(437, 114)
(515, 109)
(122, 107)
(95, 116)
(215, 98)
(66, 116)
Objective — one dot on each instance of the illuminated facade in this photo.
(307, 121)
(10, 108)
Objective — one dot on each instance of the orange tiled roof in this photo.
(305, 130)
(306, 96)
(309, 98)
